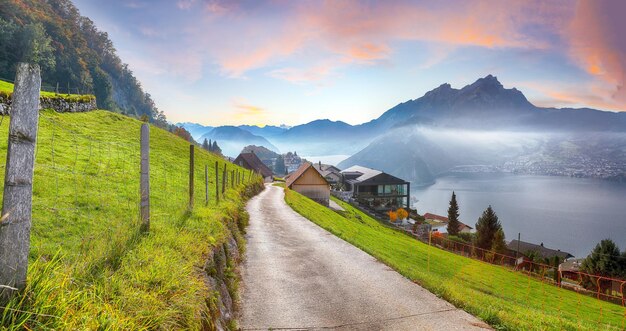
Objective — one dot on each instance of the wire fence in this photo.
(58, 88)
(600, 287)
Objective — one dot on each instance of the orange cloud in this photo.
(598, 45)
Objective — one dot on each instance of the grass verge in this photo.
(503, 298)
(6, 89)
(90, 266)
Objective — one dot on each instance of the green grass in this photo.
(501, 297)
(6, 89)
(90, 266)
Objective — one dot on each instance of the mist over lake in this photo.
(570, 214)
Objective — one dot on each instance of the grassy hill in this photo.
(91, 267)
(503, 298)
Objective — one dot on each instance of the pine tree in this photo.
(605, 259)
(279, 165)
(499, 244)
(486, 228)
(216, 149)
(453, 216)
(210, 146)
(205, 144)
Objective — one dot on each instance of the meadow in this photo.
(90, 265)
(506, 299)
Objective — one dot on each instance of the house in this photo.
(440, 223)
(330, 172)
(543, 252)
(376, 189)
(252, 162)
(307, 181)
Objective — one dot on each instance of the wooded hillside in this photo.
(71, 52)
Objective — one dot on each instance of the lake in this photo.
(570, 214)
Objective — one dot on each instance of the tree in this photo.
(486, 228)
(181, 132)
(499, 244)
(393, 216)
(453, 216)
(605, 259)
(34, 46)
(215, 148)
(402, 213)
(210, 146)
(205, 144)
(279, 165)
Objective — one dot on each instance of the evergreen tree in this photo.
(216, 149)
(205, 144)
(606, 260)
(486, 228)
(279, 165)
(210, 146)
(453, 216)
(499, 244)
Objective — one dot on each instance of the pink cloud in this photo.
(598, 44)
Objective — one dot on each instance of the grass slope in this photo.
(90, 266)
(503, 298)
(6, 88)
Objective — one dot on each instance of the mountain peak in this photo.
(488, 81)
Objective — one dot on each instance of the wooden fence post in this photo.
(206, 184)
(17, 205)
(224, 176)
(145, 177)
(232, 179)
(217, 183)
(191, 172)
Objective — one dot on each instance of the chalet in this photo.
(330, 172)
(376, 189)
(543, 252)
(252, 162)
(307, 181)
(440, 223)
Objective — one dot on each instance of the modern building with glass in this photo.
(376, 189)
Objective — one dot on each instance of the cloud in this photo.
(598, 45)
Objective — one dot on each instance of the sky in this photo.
(218, 62)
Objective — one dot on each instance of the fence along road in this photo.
(299, 276)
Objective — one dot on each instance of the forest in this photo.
(75, 57)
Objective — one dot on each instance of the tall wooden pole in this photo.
(206, 184)
(16, 218)
(145, 177)
(224, 177)
(191, 172)
(217, 183)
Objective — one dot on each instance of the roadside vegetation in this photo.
(501, 297)
(90, 266)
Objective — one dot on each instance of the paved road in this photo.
(299, 276)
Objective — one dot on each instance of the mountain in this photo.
(196, 130)
(486, 127)
(232, 139)
(74, 56)
(265, 131)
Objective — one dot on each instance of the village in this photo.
(388, 199)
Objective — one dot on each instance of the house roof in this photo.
(251, 161)
(544, 252)
(366, 173)
(370, 176)
(301, 170)
(326, 169)
(445, 220)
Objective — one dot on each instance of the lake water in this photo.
(570, 214)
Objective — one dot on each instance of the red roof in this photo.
(251, 161)
(430, 216)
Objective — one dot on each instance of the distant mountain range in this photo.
(232, 139)
(480, 125)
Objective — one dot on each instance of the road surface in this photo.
(299, 276)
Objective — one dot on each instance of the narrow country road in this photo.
(299, 276)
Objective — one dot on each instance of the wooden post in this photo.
(232, 179)
(243, 179)
(206, 185)
(217, 183)
(16, 217)
(145, 177)
(224, 176)
(191, 169)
